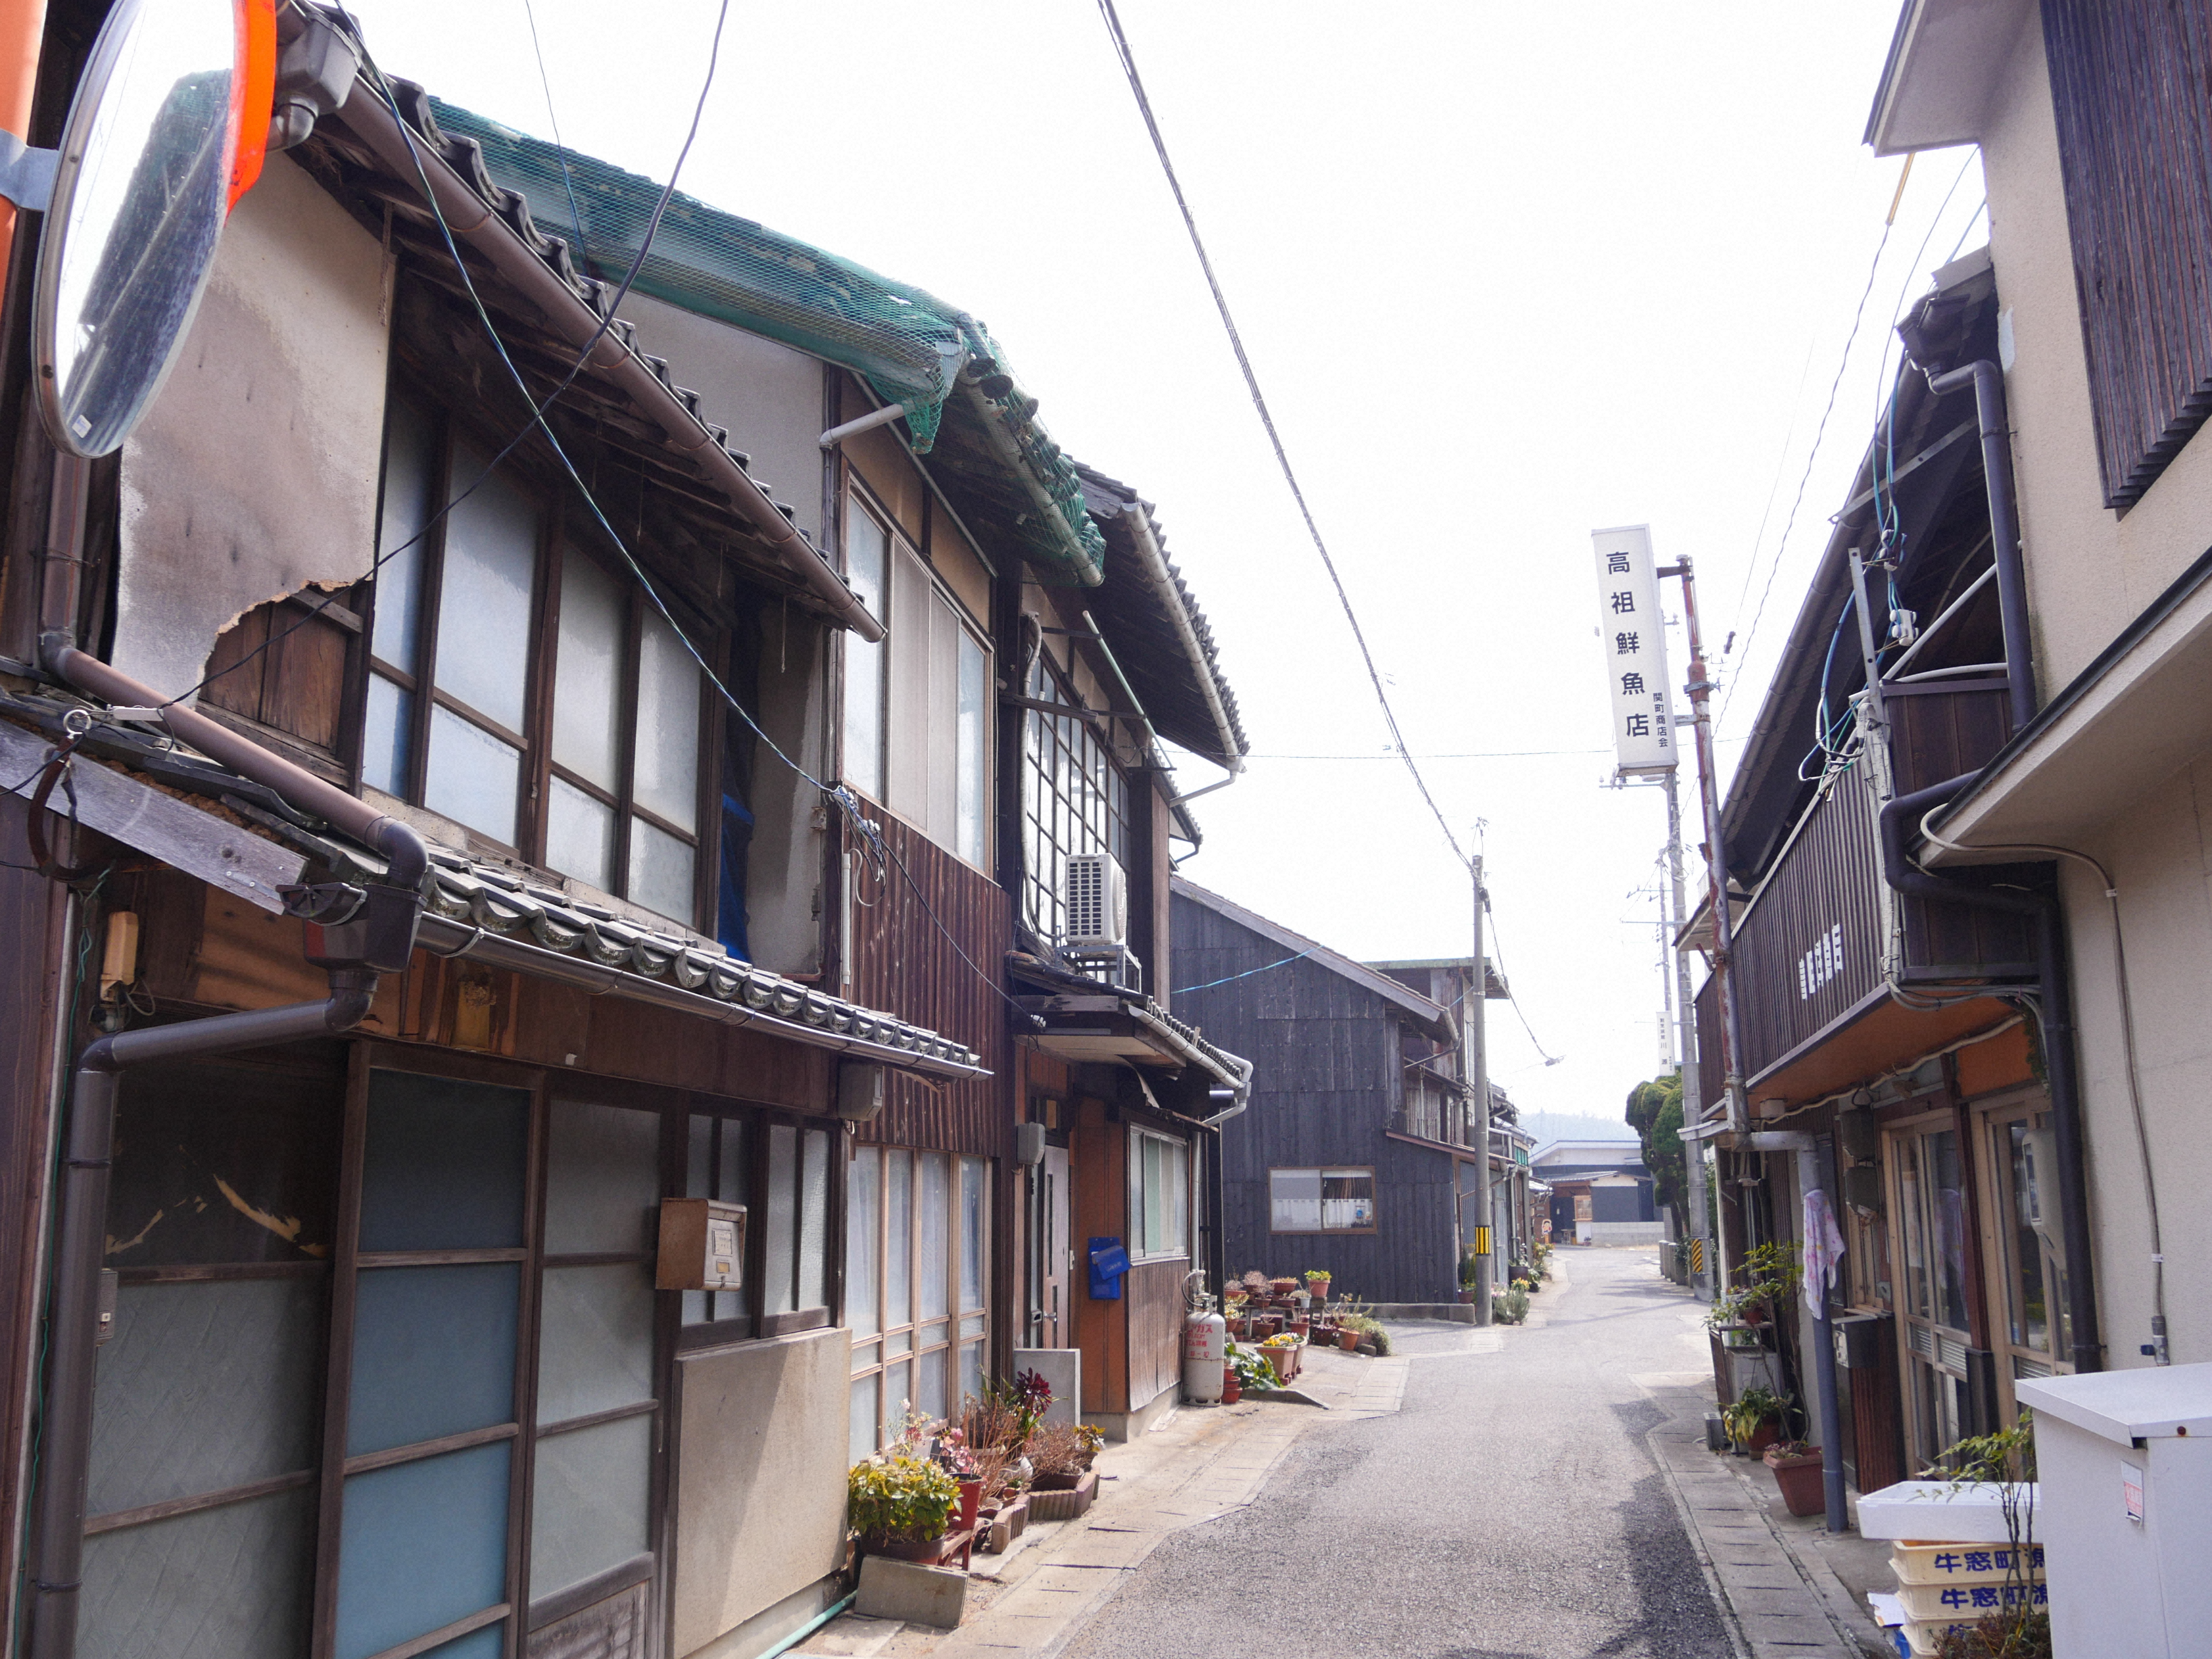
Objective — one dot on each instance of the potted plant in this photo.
(1752, 1422)
(1231, 1390)
(1796, 1468)
(899, 1505)
(1317, 1283)
(1283, 1286)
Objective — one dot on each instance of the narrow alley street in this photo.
(1511, 1508)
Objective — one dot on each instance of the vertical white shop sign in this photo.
(1633, 633)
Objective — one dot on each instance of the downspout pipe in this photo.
(1987, 381)
(1898, 817)
(570, 316)
(80, 1246)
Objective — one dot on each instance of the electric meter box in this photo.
(703, 1245)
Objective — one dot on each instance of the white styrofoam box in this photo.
(1937, 1511)
(1952, 1564)
(1925, 1637)
(1942, 1603)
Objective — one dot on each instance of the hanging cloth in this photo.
(1824, 1249)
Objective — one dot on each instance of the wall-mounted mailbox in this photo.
(703, 1245)
(1108, 1262)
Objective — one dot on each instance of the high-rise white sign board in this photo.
(1633, 633)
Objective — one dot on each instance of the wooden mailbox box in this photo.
(703, 1245)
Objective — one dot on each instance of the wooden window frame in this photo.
(957, 1336)
(559, 531)
(1321, 1169)
(1135, 1154)
(858, 498)
(755, 1322)
(1054, 825)
(1993, 1120)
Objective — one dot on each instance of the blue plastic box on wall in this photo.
(1108, 1262)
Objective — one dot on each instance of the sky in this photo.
(1507, 274)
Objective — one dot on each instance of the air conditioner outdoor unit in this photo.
(1097, 896)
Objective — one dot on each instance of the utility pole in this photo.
(1686, 1049)
(1478, 1074)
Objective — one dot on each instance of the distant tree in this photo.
(1655, 1112)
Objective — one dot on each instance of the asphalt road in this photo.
(1510, 1510)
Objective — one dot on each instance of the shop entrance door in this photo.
(1928, 1207)
(1057, 1327)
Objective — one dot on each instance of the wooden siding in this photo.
(903, 965)
(1712, 1072)
(1809, 948)
(1152, 1297)
(2134, 143)
(1940, 733)
(283, 669)
(1327, 1090)
(1099, 1168)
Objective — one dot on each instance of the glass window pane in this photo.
(433, 1353)
(930, 1378)
(782, 1217)
(866, 552)
(866, 1418)
(936, 1234)
(971, 1371)
(1347, 1197)
(233, 1583)
(660, 872)
(203, 1387)
(579, 835)
(488, 1643)
(409, 466)
(863, 1239)
(699, 1159)
(867, 1356)
(594, 1340)
(899, 1396)
(814, 1223)
(442, 1168)
(484, 600)
(972, 1209)
(587, 677)
(1294, 1201)
(602, 1178)
(422, 1544)
(665, 772)
(898, 1240)
(588, 1505)
(971, 753)
(729, 1176)
(385, 732)
(473, 777)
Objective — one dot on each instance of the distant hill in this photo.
(1576, 1126)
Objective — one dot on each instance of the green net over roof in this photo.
(907, 343)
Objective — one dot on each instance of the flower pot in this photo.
(1347, 1339)
(1755, 1313)
(1318, 1289)
(1762, 1437)
(971, 1493)
(1231, 1390)
(1281, 1361)
(1056, 1482)
(1799, 1475)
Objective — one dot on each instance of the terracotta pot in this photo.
(1762, 1437)
(1799, 1475)
(1347, 1339)
(1231, 1390)
(1282, 1362)
(1755, 1313)
(971, 1493)
(1318, 1289)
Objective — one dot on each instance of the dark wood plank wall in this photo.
(1326, 1086)
(904, 965)
(32, 915)
(1152, 1296)
(1098, 1153)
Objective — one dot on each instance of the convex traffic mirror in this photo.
(167, 129)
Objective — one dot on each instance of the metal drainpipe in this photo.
(2056, 1022)
(1987, 381)
(58, 1539)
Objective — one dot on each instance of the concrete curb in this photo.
(1690, 1530)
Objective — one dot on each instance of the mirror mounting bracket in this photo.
(26, 174)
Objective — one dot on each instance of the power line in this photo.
(560, 146)
(1473, 754)
(1267, 419)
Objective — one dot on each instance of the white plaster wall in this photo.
(2090, 572)
(768, 395)
(759, 1477)
(254, 473)
(2160, 852)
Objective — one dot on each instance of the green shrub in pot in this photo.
(894, 1498)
